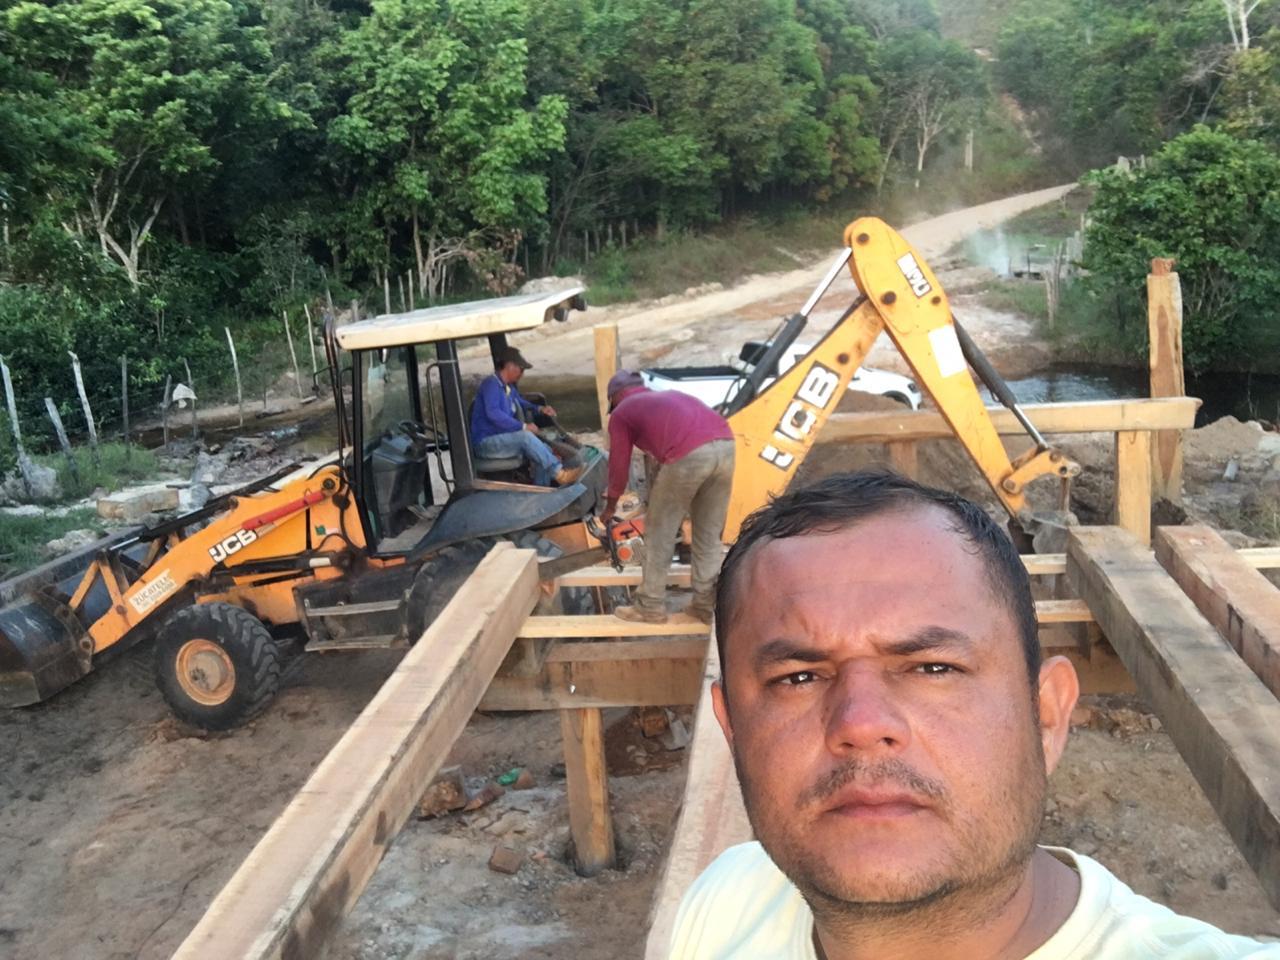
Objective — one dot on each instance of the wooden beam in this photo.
(1133, 483)
(587, 784)
(310, 868)
(904, 458)
(678, 576)
(606, 357)
(1063, 611)
(1095, 416)
(1164, 322)
(1242, 604)
(619, 673)
(712, 817)
(1223, 720)
(607, 625)
(1261, 558)
(1038, 565)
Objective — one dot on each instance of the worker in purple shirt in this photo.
(497, 430)
(693, 446)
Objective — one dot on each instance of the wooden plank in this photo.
(1063, 611)
(587, 784)
(1038, 565)
(1242, 604)
(1164, 322)
(668, 649)
(712, 817)
(1261, 558)
(607, 625)
(1223, 720)
(904, 458)
(310, 868)
(678, 576)
(654, 682)
(1133, 483)
(1095, 416)
(606, 356)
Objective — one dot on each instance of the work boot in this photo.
(568, 475)
(699, 612)
(639, 614)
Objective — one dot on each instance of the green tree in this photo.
(158, 91)
(1212, 202)
(437, 131)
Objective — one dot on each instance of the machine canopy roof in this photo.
(457, 321)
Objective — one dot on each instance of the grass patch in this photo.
(119, 466)
(22, 538)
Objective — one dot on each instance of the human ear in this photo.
(1058, 691)
(721, 707)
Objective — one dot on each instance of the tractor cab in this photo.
(405, 437)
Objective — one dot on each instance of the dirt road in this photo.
(118, 826)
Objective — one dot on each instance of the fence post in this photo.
(24, 463)
(195, 420)
(1164, 323)
(311, 341)
(164, 408)
(63, 442)
(293, 357)
(124, 401)
(386, 290)
(606, 344)
(88, 411)
(235, 366)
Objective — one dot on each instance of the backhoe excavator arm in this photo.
(901, 296)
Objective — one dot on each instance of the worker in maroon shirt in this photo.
(693, 446)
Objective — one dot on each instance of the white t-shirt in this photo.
(743, 907)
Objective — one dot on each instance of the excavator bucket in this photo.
(43, 646)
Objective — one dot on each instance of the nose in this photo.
(863, 715)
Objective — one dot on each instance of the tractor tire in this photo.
(437, 581)
(217, 665)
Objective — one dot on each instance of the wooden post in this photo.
(235, 366)
(63, 442)
(124, 401)
(1164, 324)
(84, 405)
(311, 342)
(24, 464)
(904, 458)
(587, 783)
(624, 233)
(606, 342)
(1133, 483)
(195, 421)
(164, 408)
(404, 307)
(386, 290)
(293, 357)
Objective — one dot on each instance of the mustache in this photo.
(873, 774)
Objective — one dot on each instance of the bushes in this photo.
(1212, 203)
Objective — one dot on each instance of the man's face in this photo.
(511, 372)
(880, 713)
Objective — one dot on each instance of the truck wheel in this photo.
(217, 665)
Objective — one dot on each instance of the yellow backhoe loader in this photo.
(365, 548)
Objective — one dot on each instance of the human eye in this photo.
(798, 679)
(935, 669)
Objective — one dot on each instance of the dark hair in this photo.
(844, 499)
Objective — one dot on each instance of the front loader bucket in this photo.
(43, 646)
(40, 653)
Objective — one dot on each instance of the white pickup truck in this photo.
(716, 385)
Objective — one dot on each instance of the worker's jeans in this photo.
(522, 443)
(697, 486)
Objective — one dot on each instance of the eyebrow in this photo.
(929, 638)
(922, 641)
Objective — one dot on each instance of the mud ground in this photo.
(118, 825)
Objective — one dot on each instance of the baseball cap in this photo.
(512, 355)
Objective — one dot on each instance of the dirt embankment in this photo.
(118, 826)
